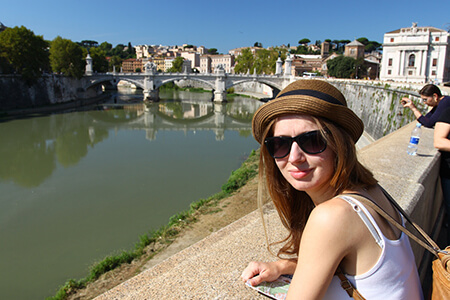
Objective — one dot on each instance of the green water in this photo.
(79, 186)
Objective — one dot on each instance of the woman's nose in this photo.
(296, 153)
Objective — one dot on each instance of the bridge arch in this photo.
(173, 79)
(276, 88)
(113, 82)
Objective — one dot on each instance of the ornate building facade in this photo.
(416, 54)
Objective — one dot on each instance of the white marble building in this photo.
(416, 54)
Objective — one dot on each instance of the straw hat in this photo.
(308, 97)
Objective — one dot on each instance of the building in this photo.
(193, 57)
(238, 51)
(302, 63)
(416, 54)
(354, 49)
(131, 65)
(159, 61)
(168, 63)
(208, 63)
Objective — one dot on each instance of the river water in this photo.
(78, 186)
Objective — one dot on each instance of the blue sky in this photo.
(220, 24)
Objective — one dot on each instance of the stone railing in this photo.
(210, 269)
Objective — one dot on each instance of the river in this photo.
(81, 185)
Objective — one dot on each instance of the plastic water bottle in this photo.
(414, 141)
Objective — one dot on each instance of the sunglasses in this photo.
(311, 142)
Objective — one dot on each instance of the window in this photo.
(434, 62)
(410, 72)
(389, 72)
(392, 40)
(390, 62)
(437, 39)
(411, 61)
(433, 73)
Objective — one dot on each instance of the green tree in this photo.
(257, 44)
(131, 51)
(177, 65)
(107, 47)
(245, 62)
(212, 51)
(304, 42)
(23, 52)
(341, 67)
(67, 57)
(88, 44)
(369, 46)
(115, 61)
(99, 62)
(265, 61)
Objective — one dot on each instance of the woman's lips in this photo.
(299, 174)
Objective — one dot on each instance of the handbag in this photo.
(440, 288)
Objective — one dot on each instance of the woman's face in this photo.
(305, 172)
(429, 100)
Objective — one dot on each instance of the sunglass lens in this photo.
(312, 142)
(278, 147)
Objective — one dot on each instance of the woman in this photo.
(442, 143)
(308, 159)
(431, 95)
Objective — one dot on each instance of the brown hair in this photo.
(429, 90)
(293, 206)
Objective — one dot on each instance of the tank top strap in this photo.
(367, 218)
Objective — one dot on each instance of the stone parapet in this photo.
(210, 269)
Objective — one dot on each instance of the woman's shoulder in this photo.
(334, 219)
(334, 212)
(445, 102)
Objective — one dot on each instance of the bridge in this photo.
(150, 80)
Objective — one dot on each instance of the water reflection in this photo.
(82, 185)
(32, 147)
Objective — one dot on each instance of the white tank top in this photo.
(394, 276)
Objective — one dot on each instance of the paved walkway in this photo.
(209, 269)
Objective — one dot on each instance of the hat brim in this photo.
(306, 105)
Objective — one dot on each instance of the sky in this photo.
(223, 25)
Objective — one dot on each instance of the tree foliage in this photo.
(99, 62)
(67, 57)
(263, 62)
(341, 67)
(369, 45)
(245, 62)
(23, 52)
(116, 62)
(212, 51)
(304, 42)
(177, 65)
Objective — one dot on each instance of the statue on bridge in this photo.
(150, 68)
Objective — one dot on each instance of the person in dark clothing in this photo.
(431, 95)
(442, 143)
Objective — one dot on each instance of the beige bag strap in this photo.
(348, 286)
(430, 245)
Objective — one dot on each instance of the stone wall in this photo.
(210, 269)
(48, 90)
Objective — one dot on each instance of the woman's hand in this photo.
(406, 102)
(257, 272)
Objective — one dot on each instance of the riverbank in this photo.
(209, 216)
(6, 115)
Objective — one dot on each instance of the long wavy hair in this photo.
(293, 206)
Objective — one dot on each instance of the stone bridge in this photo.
(219, 81)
